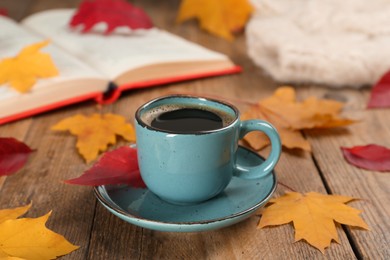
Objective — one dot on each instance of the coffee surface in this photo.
(187, 120)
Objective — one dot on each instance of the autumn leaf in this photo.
(380, 93)
(289, 117)
(13, 155)
(21, 72)
(28, 238)
(119, 166)
(3, 12)
(6, 214)
(96, 132)
(219, 17)
(290, 138)
(114, 13)
(313, 215)
(370, 157)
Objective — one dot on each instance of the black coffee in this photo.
(187, 120)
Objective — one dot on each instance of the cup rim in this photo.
(143, 124)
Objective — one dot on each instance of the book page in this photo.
(13, 38)
(118, 52)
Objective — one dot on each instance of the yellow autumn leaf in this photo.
(219, 17)
(313, 215)
(21, 72)
(96, 132)
(289, 117)
(4, 256)
(29, 238)
(6, 214)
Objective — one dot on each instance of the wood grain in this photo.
(342, 178)
(101, 235)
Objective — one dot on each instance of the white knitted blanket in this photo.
(332, 42)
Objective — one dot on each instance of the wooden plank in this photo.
(342, 178)
(40, 5)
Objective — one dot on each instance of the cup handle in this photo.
(262, 170)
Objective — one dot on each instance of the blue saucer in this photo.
(239, 201)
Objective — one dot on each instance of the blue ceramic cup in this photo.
(191, 167)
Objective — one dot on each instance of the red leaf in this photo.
(3, 12)
(119, 166)
(370, 157)
(380, 93)
(13, 155)
(113, 12)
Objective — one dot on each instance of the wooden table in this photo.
(78, 216)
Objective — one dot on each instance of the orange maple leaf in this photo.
(313, 216)
(289, 117)
(21, 72)
(96, 132)
(219, 17)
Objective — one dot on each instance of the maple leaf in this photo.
(290, 138)
(6, 214)
(313, 216)
(28, 238)
(96, 132)
(219, 17)
(119, 166)
(21, 72)
(114, 13)
(13, 155)
(380, 93)
(369, 157)
(289, 117)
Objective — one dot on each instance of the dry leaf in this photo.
(6, 214)
(119, 166)
(21, 72)
(13, 155)
(370, 157)
(115, 14)
(289, 117)
(219, 17)
(290, 138)
(313, 216)
(380, 93)
(28, 238)
(96, 132)
(311, 113)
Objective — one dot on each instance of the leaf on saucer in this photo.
(119, 166)
(114, 13)
(13, 155)
(21, 72)
(290, 116)
(370, 157)
(313, 215)
(96, 132)
(380, 93)
(220, 18)
(28, 238)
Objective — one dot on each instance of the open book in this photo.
(92, 64)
